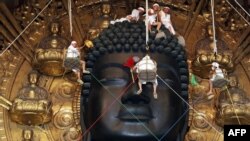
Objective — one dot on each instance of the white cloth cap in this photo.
(215, 64)
(141, 8)
(156, 4)
(73, 42)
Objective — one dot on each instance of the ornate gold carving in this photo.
(71, 134)
(233, 107)
(205, 57)
(50, 53)
(76, 103)
(226, 17)
(194, 135)
(63, 119)
(33, 104)
(66, 89)
(10, 62)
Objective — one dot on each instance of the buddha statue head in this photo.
(106, 8)
(110, 92)
(33, 77)
(27, 135)
(54, 28)
(233, 107)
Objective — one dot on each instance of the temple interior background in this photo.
(45, 104)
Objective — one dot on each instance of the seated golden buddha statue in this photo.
(205, 55)
(233, 106)
(49, 54)
(102, 21)
(32, 105)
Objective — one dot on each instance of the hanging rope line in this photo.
(214, 38)
(70, 17)
(188, 104)
(25, 28)
(124, 106)
(106, 109)
(238, 12)
(242, 8)
(177, 121)
(231, 100)
(146, 22)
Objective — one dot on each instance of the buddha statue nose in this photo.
(131, 97)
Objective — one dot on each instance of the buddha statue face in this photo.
(33, 77)
(233, 82)
(27, 135)
(157, 115)
(106, 8)
(54, 28)
(124, 114)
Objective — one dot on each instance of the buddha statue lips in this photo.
(110, 97)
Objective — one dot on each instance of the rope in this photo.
(25, 28)
(174, 124)
(70, 17)
(238, 12)
(242, 8)
(105, 110)
(214, 38)
(146, 22)
(229, 94)
(188, 104)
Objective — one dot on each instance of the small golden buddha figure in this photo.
(49, 54)
(27, 135)
(102, 22)
(32, 105)
(233, 105)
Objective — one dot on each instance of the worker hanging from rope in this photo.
(218, 79)
(146, 70)
(74, 62)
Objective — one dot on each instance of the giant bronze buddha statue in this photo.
(33, 104)
(134, 117)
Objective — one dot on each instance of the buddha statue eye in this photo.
(114, 82)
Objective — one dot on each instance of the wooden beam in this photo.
(190, 14)
(193, 20)
(244, 53)
(243, 45)
(23, 51)
(243, 36)
(12, 19)
(7, 25)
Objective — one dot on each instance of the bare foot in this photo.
(80, 81)
(139, 91)
(155, 96)
(86, 72)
